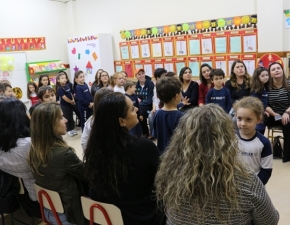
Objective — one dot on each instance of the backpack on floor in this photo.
(277, 148)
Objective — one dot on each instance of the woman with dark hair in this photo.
(205, 83)
(239, 82)
(279, 104)
(189, 88)
(121, 168)
(15, 144)
(96, 82)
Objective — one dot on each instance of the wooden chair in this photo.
(105, 214)
(50, 200)
(272, 130)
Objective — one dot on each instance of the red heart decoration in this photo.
(74, 51)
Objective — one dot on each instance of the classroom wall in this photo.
(111, 16)
(286, 36)
(37, 18)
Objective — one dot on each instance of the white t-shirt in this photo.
(119, 89)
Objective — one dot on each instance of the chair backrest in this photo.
(53, 195)
(112, 211)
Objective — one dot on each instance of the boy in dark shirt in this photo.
(219, 95)
(130, 89)
(166, 119)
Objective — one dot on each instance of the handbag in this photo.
(277, 148)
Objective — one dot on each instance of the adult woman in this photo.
(201, 180)
(54, 164)
(96, 82)
(279, 104)
(144, 92)
(205, 84)
(126, 166)
(239, 82)
(189, 88)
(15, 143)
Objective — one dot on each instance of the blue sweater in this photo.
(83, 95)
(145, 93)
(220, 97)
(64, 91)
(164, 125)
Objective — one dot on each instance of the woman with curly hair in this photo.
(201, 179)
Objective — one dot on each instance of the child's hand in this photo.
(153, 111)
(267, 114)
(141, 118)
(139, 100)
(185, 101)
(73, 102)
(58, 102)
(91, 105)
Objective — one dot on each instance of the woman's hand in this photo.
(285, 118)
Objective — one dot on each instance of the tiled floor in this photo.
(278, 187)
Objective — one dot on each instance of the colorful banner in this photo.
(82, 39)
(22, 44)
(207, 26)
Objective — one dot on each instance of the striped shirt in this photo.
(255, 207)
(279, 99)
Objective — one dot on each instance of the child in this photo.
(254, 147)
(31, 92)
(166, 119)
(259, 89)
(43, 80)
(8, 90)
(72, 89)
(88, 125)
(84, 97)
(66, 102)
(171, 74)
(130, 88)
(2, 90)
(119, 82)
(218, 94)
(111, 84)
(45, 94)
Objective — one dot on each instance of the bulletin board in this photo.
(17, 76)
(217, 47)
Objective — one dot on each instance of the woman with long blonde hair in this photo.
(54, 164)
(201, 180)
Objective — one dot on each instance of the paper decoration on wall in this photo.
(89, 67)
(82, 39)
(95, 56)
(287, 18)
(6, 63)
(87, 51)
(73, 51)
(22, 44)
(76, 69)
(267, 59)
(220, 24)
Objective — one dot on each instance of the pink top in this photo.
(34, 99)
(202, 92)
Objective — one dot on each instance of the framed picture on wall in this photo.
(221, 44)
(194, 45)
(193, 64)
(156, 46)
(168, 47)
(181, 45)
(250, 43)
(124, 50)
(206, 46)
(134, 50)
(235, 44)
(145, 49)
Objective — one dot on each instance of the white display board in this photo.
(90, 53)
(17, 77)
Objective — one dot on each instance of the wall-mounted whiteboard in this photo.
(17, 77)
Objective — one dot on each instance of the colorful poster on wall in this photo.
(83, 55)
(287, 18)
(250, 43)
(267, 59)
(22, 44)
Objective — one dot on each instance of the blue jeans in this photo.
(51, 219)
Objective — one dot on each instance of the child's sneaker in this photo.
(74, 132)
(70, 133)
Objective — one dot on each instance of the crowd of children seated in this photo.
(211, 152)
